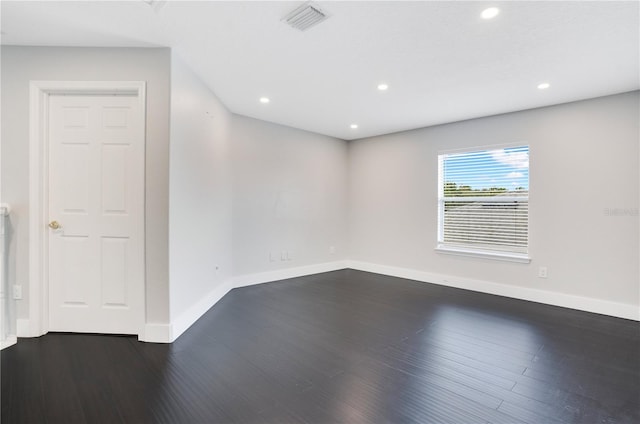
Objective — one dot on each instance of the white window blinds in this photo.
(483, 200)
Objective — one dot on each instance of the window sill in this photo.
(498, 256)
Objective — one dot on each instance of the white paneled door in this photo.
(96, 213)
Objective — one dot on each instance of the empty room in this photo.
(320, 212)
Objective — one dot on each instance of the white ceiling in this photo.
(442, 62)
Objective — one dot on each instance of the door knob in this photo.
(54, 225)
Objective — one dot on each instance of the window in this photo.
(483, 203)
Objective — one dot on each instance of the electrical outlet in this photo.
(217, 269)
(332, 250)
(542, 272)
(283, 255)
(17, 292)
(289, 255)
(273, 256)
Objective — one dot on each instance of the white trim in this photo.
(23, 328)
(38, 109)
(516, 254)
(134, 88)
(461, 150)
(185, 320)
(191, 315)
(38, 172)
(588, 304)
(156, 333)
(9, 341)
(168, 333)
(283, 274)
(485, 254)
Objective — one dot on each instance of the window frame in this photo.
(472, 251)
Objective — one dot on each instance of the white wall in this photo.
(200, 191)
(584, 159)
(289, 186)
(242, 191)
(22, 64)
(289, 194)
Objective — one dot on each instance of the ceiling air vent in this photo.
(306, 16)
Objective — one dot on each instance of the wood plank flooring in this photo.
(340, 347)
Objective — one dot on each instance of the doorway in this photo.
(87, 211)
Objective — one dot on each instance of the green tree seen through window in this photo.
(452, 189)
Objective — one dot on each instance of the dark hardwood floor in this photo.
(340, 347)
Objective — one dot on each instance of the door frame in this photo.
(39, 93)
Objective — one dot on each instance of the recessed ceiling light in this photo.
(354, 126)
(382, 87)
(490, 13)
(264, 100)
(543, 86)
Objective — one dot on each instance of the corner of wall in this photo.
(169, 333)
(187, 318)
(283, 274)
(156, 333)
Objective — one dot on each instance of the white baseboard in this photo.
(23, 328)
(152, 332)
(191, 315)
(9, 341)
(156, 333)
(283, 274)
(167, 333)
(620, 310)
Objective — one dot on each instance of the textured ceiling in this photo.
(442, 62)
